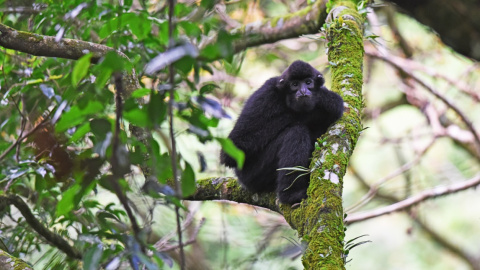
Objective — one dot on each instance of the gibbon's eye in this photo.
(308, 82)
(294, 84)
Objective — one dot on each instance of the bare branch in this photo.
(421, 197)
(440, 239)
(402, 64)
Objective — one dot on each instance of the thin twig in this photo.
(186, 222)
(402, 64)
(173, 154)
(191, 240)
(116, 164)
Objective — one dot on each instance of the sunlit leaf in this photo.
(139, 24)
(141, 92)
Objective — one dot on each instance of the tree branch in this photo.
(47, 46)
(306, 21)
(51, 237)
(9, 262)
(226, 188)
(41, 45)
(407, 203)
(440, 239)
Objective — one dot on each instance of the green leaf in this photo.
(102, 77)
(185, 64)
(138, 117)
(208, 88)
(140, 26)
(210, 52)
(141, 92)
(208, 4)
(77, 116)
(108, 28)
(115, 62)
(100, 127)
(157, 108)
(80, 132)
(81, 68)
(92, 258)
(188, 180)
(66, 204)
(191, 29)
(231, 150)
(164, 168)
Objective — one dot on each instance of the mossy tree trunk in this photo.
(319, 220)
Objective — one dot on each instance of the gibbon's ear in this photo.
(280, 83)
(319, 80)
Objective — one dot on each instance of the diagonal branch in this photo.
(421, 197)
(401, 64)
(52, 238)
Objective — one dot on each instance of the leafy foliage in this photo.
(60, 117)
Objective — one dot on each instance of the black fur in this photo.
(278, 128)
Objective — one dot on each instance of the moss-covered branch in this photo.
(306, 21)
(226, 188)
(41, 45)
(8, 262)
(52, 238)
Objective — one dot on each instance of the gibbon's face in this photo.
(301, 94)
